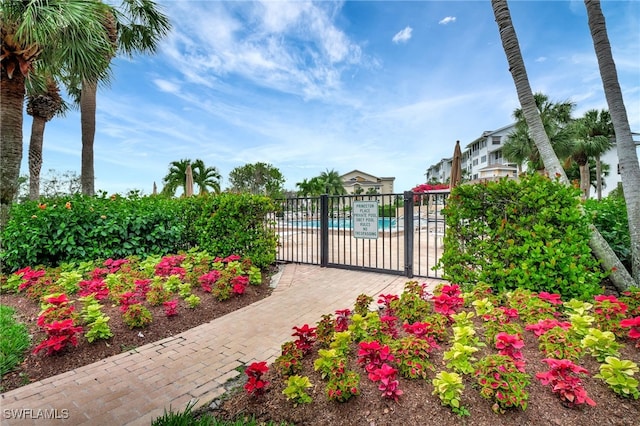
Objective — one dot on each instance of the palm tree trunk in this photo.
(585, 179)
(627, 155)
(619, 275)
(88, 125)
(12, 92)
(599, 177)
(35, 156)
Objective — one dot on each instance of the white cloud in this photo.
(541, 59)
(447, 20)
(403, 36)
(166, 86)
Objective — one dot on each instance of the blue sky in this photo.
(386, 87)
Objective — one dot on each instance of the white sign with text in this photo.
(365, 219)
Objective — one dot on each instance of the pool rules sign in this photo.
(364, 215)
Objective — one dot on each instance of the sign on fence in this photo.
(364, 215)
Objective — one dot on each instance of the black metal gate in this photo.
(392, 233)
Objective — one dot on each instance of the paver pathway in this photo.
(135, 387)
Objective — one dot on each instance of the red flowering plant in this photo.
(372, 355)
(170, 265)
(422, 330)
(239, 284)
(127, 299)
(388, 326)
(386, 375)
(447, 300)
(95, 286)
(114, 266)
(554, 299)
(58, 320)
(634, 328)
(412, 357)
(563, 377)
(142, 287)
(342, 320)
(170, 307)
(385, 300)
(544, 325)
(306, 336)
(208, 280)
(29, 277)
(511, 345)
(255, 386)
(60, 334)
(609, 311)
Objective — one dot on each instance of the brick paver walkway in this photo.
(134, 387)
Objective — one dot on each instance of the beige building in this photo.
(358, 182)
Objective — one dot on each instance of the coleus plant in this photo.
(306, 336)
(255, 386)
(511, 345)
(171, 307)
(342, 319)
(501, 381)
(386, 375)
(634, 328)
(372, 355)
(563, 377)
(609, 311)
(449, 388)
(60, 334)
(618, 374)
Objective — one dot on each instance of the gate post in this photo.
(408, 234)
(324, 230)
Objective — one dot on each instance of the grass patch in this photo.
(15, 340)
(191, 418)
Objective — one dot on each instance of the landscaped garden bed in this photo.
(512, 359)
(170, 294)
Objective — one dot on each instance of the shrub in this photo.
(234, 224)
(527, 234)
(78, 227)
(137, 316)
(609, 216)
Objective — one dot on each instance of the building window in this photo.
(483, 144)
(483, 159)
(475, 176)
(495, 140)
(497, 155)
(475, 162)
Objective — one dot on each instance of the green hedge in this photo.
(609, 215)
(80, 228)
(520, 234)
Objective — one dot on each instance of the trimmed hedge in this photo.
(526, 234)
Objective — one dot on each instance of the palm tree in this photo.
(593, 133)
(627, 155)
(42, 107)
(136, 27)
(311, 187)
(206, 177)
(619, 275)
(59, 36)
(332, 183)
(556, 119)
(176, 178)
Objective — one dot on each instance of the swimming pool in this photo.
(384, 223)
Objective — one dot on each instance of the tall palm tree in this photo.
(42, 106)
(332, 183)
(556, 119)
(593, 132)
(206, 177)
(310, 187)
(619, 275)
(627, 155)
(137, 26)
(61, 36)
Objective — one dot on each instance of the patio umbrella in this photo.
(188, 187)
(456, 167)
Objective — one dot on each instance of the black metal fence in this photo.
(392, 233)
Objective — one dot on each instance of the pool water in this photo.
(384, 223)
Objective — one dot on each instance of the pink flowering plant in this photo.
(564, 378)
